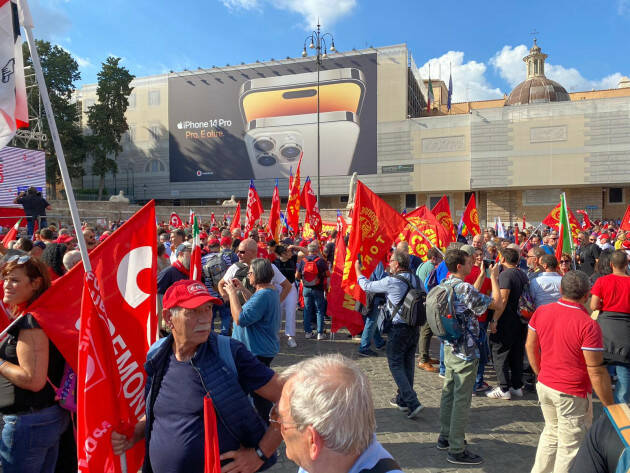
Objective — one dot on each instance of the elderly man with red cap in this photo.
(193, 362)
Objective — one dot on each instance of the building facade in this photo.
(517, 154)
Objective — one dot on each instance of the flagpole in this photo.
(4, 332)
(27, 24)
(530, 236)
(427, 238)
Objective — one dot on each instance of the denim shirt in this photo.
(545, 288)
(393, 288)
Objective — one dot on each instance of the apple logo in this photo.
(180, 126)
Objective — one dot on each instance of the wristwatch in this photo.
(261, 454)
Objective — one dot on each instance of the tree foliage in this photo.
(60, 72)
(106, 118)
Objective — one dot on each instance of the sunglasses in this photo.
(20, 259)
(241, 252)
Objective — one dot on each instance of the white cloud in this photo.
(83, 62)
(623, 7)
(509, 64)
(327, 12)
(469, 80)
(50, 21)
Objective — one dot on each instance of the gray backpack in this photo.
(441, 316)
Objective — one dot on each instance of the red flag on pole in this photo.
(420, 232)
(553, 219)
(175, 220)
(442, 213)
(375, 225)
(236, 220)
(212, 464)
(293, 204)
(341, 305)
(309, 201)
(100, 389)
(274, 215)
(195, 256)
(213, 220)
(625, 222)
(254, 209)
(471, 217)
(125, 264)
(11, 234)
(524, 223)
(587, 222)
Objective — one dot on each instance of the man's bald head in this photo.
(247, 250)
(403, 246)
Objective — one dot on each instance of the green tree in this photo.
(60, 72)
(106, 118)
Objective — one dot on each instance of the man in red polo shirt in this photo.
(565, 350)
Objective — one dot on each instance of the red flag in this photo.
(341, 305)
(309, 200)
(524, 225)
(11, 234)
(516, 233)
(552, 220)
(625, 223)
(442, 213)
(587, 222)
(471, 217)
(213, 220)
(293, 204)
(421, 230)
(175, 220)
(375, 225)
(125, 264)
(254, 209)
(236, 220)
(191, 217)
(100, 389)
(211, 437)
(274, 215)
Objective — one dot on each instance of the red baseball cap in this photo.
(64, 238)
(213, 242)
(203, 235)
(225, 241)
(188, 294)
(626, 244)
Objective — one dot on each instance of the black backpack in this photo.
(241, 275)
(411, 307)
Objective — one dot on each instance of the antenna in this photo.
(534, 33)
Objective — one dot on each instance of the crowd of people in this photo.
(557, 327)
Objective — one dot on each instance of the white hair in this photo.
(333, 394)
(70, 258)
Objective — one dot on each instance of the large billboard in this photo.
(19, 170)
(255, 121)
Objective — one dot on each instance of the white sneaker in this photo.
(516, 392)
(496, 393)
(308, 335)
(321, 336)
(291, 342)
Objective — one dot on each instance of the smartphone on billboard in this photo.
(274, 144)
(340, 90)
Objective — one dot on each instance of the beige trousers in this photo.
(567, 418)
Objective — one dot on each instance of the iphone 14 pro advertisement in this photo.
(256, 121)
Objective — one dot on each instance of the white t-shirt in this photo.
(278, 277)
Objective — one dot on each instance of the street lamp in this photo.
(318, 42)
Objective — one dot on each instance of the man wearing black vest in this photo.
(185, 366)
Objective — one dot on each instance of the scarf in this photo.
(180, 267)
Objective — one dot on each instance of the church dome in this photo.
(536, 88)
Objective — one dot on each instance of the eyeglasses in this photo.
(241, 252)
(274, 421)
(20, 259)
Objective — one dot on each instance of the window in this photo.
(131, 133)
(410, 201)
(284, 200)
(343, 199)
(154, 132)
(132, 100)
(615, 195)
(467, 196)
(154, 98)
(397, 169)
(155, 165)
(87, 103)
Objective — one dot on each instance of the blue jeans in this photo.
(226, 318)
(442, 365)
(622, 388)
(313, 305)
(370, 330)
(30, 442)
(484, 352)
(402, 342)
(30, 225)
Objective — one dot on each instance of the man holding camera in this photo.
(35, 206)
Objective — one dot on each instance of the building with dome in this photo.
(516, 154)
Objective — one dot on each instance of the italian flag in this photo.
(195, 257)
(565, 240)
(11, 234)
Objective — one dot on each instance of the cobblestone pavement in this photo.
(504, 433)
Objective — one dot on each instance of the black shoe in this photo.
(464, 458)
(442, 443)
(381, 347)
(414, 413)
(367, 352)
(401, 407)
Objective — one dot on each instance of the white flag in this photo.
(13, 106)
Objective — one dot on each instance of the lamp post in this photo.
(318, 42)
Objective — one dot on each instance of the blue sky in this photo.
(483, 41)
